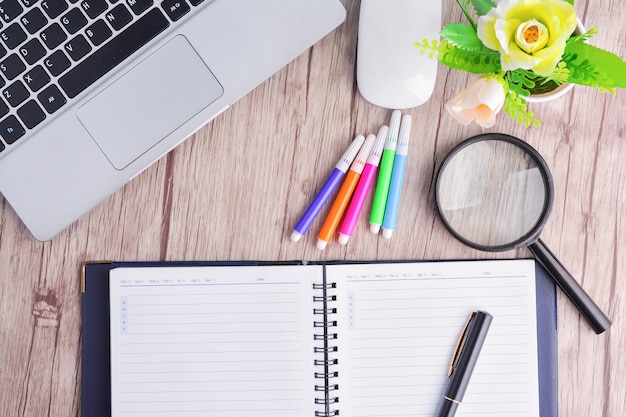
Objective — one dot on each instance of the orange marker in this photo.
(345, 193)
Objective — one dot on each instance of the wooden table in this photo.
(234, 190)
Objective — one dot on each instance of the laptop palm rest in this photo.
(123, 119)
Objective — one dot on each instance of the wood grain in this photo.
(234, 190)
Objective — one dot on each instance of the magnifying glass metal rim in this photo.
(533, 234)
(571, 288)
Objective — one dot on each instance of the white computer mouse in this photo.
(391, 71)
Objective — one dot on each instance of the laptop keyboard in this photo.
(52, 50)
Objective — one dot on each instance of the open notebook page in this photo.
(398, 325)
(213, 341)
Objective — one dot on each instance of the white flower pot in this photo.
(551, 95)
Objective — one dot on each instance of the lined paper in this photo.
(213, 341)
(399, 324)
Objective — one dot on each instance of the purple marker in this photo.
(327, 189)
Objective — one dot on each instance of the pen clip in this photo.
(460, 344)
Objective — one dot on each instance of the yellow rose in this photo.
(529, 34)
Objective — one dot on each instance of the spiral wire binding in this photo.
(326, 348)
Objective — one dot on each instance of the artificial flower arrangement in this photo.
(520, 47)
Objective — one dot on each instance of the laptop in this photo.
(94, 91)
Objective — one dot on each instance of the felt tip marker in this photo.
(345, 193)
(363, 187)
(327, 189)
(384, 173)
(397, 178)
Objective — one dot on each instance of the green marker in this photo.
(384, 173)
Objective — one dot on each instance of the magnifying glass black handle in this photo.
(589, 310)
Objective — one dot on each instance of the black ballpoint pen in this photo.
(463, 361)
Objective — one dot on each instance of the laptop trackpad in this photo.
(149, 102)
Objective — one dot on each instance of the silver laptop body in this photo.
(92, 135)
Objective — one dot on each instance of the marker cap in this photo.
(295, 236)
(321, 244)
(350, 154)
(377, 148)
(394, 128)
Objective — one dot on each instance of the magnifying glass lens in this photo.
(492, 194)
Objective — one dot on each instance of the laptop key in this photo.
(77, 47)
(175, 9)
(51, 98)
(11, 129)
(32, 51)
(57, 63)
(13, 35)
(31, 114)
(112, 53)
(94, 8)
(54, 8)
(98, 32)
(10, 9)
(53, 35)
(139, 6)
(74, 20)
(37, 78)
(12, 66)
(16, 93)
(4, 109)
(118, 17)
(34, 20)
(28, 3)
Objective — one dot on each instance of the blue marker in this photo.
(397, 178)
(327, 189)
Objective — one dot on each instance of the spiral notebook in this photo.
(370, 339)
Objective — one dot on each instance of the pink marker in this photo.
(363, 187)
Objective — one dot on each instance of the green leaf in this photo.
(570, 2)
(583, 37)
(559, 76)
(482, 7)
(521, 81)
(476, 62)
(595, 67)
(462, 36)
(517, 108)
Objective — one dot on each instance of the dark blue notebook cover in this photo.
(96, 380)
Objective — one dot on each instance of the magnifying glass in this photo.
(494, 192)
